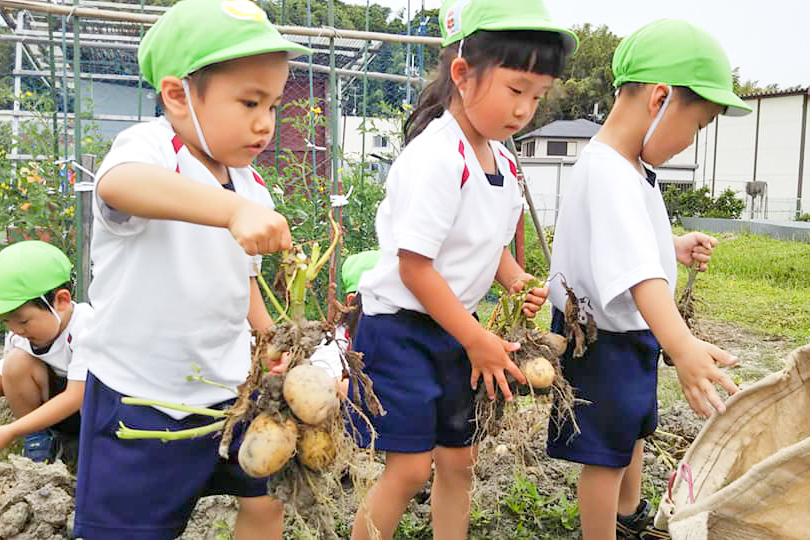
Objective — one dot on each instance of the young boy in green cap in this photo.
(42, 380)
(614, 244)
(179, 218)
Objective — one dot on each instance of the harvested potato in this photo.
(539, 372)
(316, 449)
(311, 393)
(267, 446)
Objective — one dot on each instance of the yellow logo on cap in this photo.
(244, 10)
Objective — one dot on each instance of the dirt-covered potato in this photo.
(316, 449)
(267, 446)
(539, 372)
(555, 342)
(311, 393)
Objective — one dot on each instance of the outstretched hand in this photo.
(698, 365)
(489, 358)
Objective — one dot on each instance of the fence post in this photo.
(84, 225)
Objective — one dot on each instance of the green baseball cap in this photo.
(678, 53)
(354, 266)
(28, 270)
(460, 18)
(197, 33)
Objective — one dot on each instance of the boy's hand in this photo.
(258, 229)
(697, 366)
(534, 299)
(695, 246)
(489, 358)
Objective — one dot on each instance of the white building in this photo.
(559, 139)
(382, 137)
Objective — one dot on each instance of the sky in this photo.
(768, 40)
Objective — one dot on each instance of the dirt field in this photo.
(36, 501)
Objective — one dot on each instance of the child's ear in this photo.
(658, 95)
(173, 96)
(350, 298)
(61, 299)
(460, 73)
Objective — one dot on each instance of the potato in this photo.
(539, 372)
(316, 449)
(555, 342)
(267, 446)
(311, 393)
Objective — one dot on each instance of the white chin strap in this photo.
(657, 118)
(194, 119)
(50, 307)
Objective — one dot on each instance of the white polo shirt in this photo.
(168, 295)
(60, 354)
(440, 204)
(612, 233)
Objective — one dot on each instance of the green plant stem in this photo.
(200, 378)
(128, 433)
(205, 411)
(272, 297)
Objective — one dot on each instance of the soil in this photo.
(36, 500)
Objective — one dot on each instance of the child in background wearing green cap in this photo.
(613, 243)
(42, 380)
(451, 208)
(179, 220)
(328, 355)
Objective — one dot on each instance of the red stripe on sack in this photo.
(258, 178)
(177, 144)
(465, 174)
(512, 166)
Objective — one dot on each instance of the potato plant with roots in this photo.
(297, 434)
(539, 358)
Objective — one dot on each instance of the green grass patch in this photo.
(760, 283)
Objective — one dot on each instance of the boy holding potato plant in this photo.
(614, 244)
(180, 217)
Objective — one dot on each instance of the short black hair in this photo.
(199, 80)
(685, 95)
(49, 297)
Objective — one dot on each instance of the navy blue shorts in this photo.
(421, 374)
(146, 489)
(618, 376)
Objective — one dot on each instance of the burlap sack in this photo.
(750, 466)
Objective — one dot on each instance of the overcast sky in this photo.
(768, 40)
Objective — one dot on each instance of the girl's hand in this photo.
(695, 246)
(489, 358)
(697, 366)
(534, 299)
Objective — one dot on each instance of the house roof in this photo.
(565, 129)
(795, 91)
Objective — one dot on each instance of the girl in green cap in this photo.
(451, 208)
(613, 243)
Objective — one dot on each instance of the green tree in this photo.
(587, 80)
